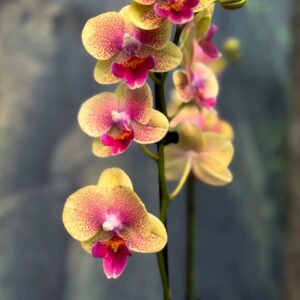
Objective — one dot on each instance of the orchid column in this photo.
(192, 142)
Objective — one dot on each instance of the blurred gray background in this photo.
(45, 75)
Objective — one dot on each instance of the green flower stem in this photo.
(162, 256)
(190, 233)
(149, 152)
(182, 181)
(179, 109)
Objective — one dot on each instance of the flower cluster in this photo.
(131, 45)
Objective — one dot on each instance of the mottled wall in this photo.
(45, 74)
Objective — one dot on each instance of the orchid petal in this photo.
(211, 164)
(190, 137)
(165, 59)
(154, 241)
(102, 36)
(103, 72)
(81, 214)
(113, 177)
(144, 16)
(155, 38)
(136, 103)
(175, 162)
(181, 83)
(205, 4)
(153, 131)
(94, 116)
(101, 150)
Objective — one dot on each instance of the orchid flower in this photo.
(206, 120)
(116, 119)
(205, 154)
(198, 83)
(149, 14)
(205, 50)
(110, 221)
(200, 32)
(127, 52)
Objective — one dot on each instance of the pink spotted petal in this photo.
(144, 16)
(115, 262)
(102, 36)
(156, 38)
(100, 250)
(153, 131)
(136, 103)
(94, 116)
(154, 241)
(165, 59)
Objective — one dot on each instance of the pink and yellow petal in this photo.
(103, 72)
(94, 116)
(136, 103)
(165, 59)
(155, 38)
(153, 131)
(102, 36)
(113, 177)
(144, 16)
(210, 83)
(150, 242)
(205, 4)
(181, 83)
(81, 214)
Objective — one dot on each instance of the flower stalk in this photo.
(162, 256)
(190, 234)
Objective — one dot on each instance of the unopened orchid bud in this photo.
(232, 49)
(232, 4)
